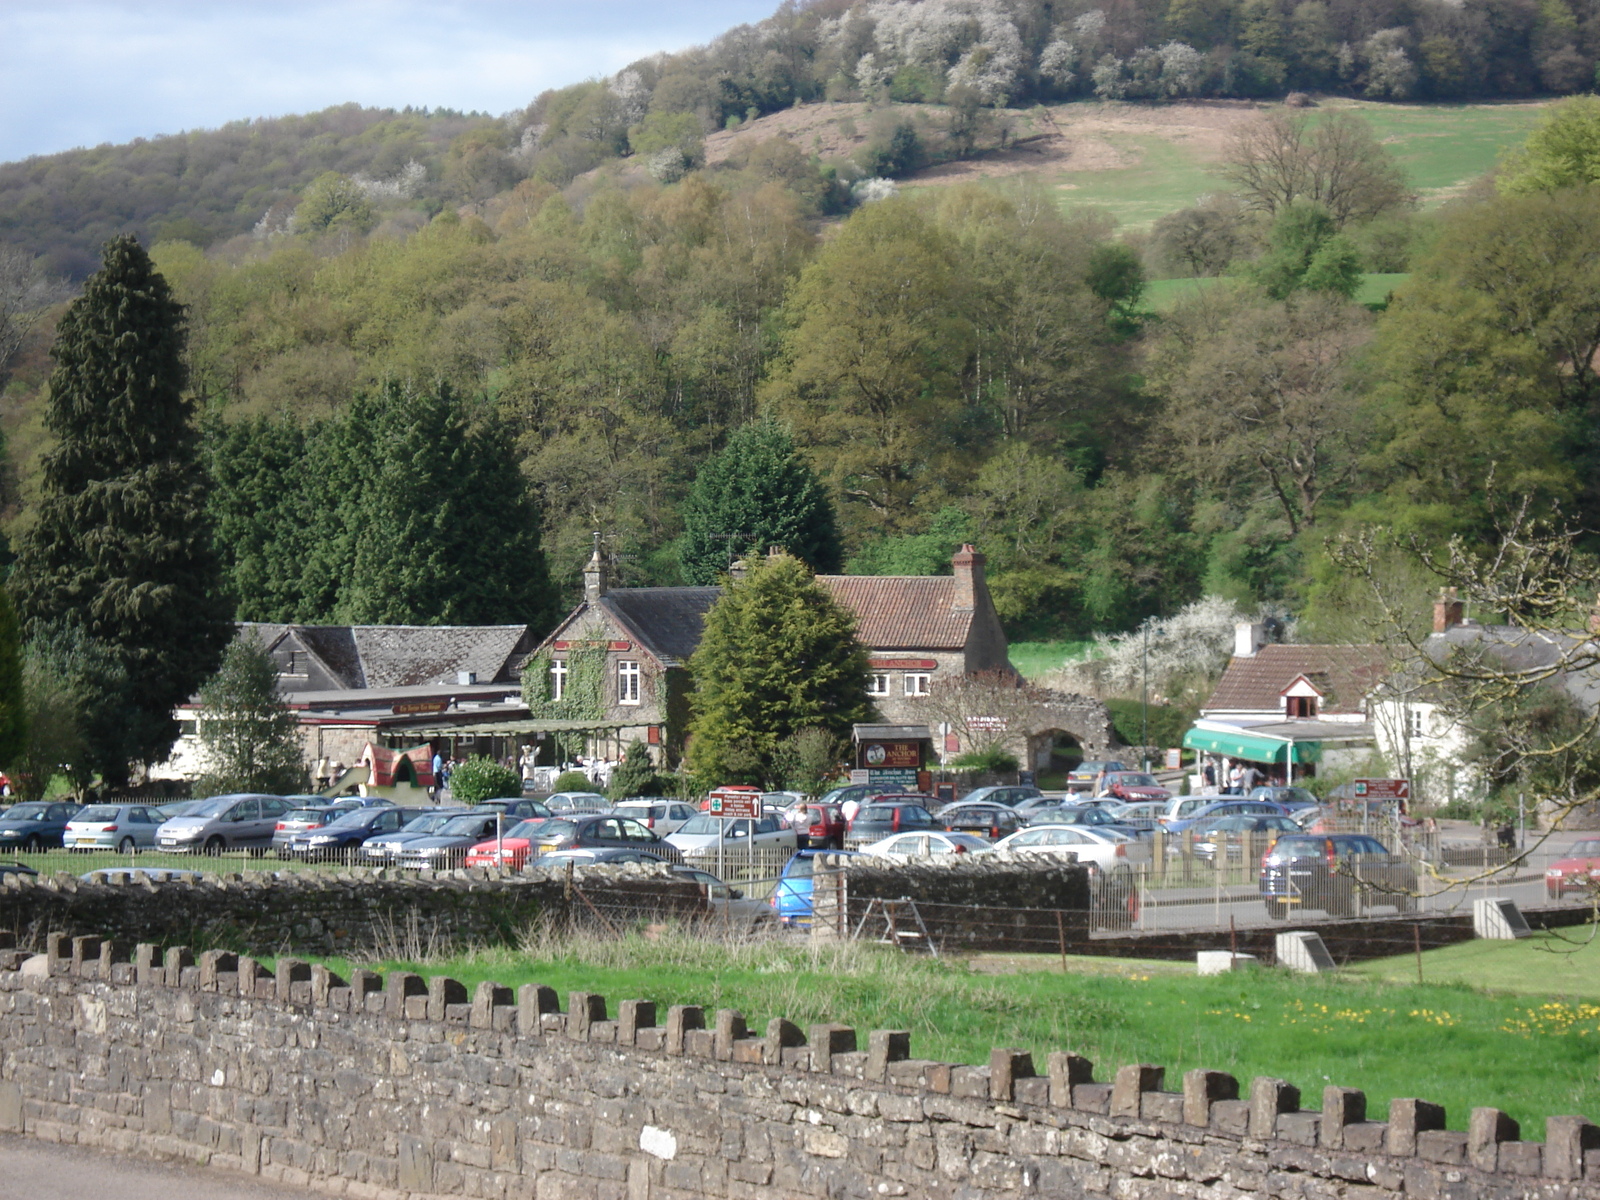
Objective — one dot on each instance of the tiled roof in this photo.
(1344, 675)
(335, 645)
(666, 620)
(902, 612)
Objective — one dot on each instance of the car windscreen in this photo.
(356, 819)
(96, 812)
(704, 824)
(305, 814)
(213, 807)
(1586, 847)
(548, 829)
(800, 868)
(424, 824)
(468, 826)
(27, 812)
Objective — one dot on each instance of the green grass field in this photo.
(1442, 147)
(1565, 968)
(1035, 659)
(1533, 1055)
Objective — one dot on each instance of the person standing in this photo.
(438, 774)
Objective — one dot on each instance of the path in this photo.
(33, 1170)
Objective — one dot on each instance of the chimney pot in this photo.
(1448, 611)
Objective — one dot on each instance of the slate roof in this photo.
(667, 621)
(1344, 675)
(902, 612)
(390, 656)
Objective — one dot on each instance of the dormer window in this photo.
(1302, 699)
(296, 665)
(1300, 706)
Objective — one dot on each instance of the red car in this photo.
(818, 826)
(1578, 872)
(1135, 785)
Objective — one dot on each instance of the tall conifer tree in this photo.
(757, 493)
(122, 546)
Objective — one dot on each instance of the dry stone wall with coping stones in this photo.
(334, 915)
(403, 1087)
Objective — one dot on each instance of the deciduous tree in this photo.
(1332, 160)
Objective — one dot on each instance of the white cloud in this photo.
(82, 72)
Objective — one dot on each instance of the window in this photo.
(1416, 722)
(296, 664)
(918, 683)
(878, 684)
(558, 679)
(1300, 706)
(627, 682)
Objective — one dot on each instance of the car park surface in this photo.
(35, 825)
(120, 827)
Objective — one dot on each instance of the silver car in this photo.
(239, 821)
(119, 827)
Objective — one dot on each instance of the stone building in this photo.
(918, 630)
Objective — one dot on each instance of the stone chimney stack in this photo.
(968, 566)
(594, 575)
(737, 570)
(1248, 638)
(1448, 611)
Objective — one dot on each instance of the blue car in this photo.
(792, 897)
(1226, 808)
(338, 840)
(34, 826)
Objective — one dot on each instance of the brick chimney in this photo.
(1448, 611)
(968, 566)
(594, 575)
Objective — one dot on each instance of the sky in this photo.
(82, 72)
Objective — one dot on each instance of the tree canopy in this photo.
(121, 545)
(249, 738)
(778, 655)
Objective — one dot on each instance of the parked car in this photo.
(1014, 795)
(1085, 773)
(792, 897)
(728, 905)
(384, 848)
(120, 827)
(1142, 815)
(562, 803)
(659, 816)
(731, 789)
(594, 856)
(450, 844)
(859, 792)
(299, 820)
(35, 825)
(1104, 849)
(1135, 785)
(1335, 872)
(1094, 816)
(992, 821)
(340, 840)
(232, 822)
(927, 845)
(1579, 871)
(1291, 798)
(1233, 834)
(177, 808)
(525, 842)
(701, 835)
(816, 823)
(890, 813)
(1222, 808)
(518, 808)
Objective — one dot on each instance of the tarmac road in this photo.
(32, 1170)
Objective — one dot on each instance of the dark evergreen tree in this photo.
(250, 737)
(13, 701)
(265, 518)
(122, 545)
(442, 526)
(757, 493)
(779, 655)
(636, 776)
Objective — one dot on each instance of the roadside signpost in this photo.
(730, 804)
(1383, 789)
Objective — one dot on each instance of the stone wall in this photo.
(338, 914)
(405, 1087)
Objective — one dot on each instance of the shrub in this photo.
(636, 776)
(573, 781)
(480, 779)
(991, 760)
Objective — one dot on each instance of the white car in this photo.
(927, 844)
(699, 837)
(662, 816)
(566, 803)
(1105, 850)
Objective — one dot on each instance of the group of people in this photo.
(1235, 777)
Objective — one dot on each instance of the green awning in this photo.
(1251, 749)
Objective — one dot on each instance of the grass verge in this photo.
(1447, 1042)
(1036, 659)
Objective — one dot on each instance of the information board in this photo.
(742, 806)
(1382, 789)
